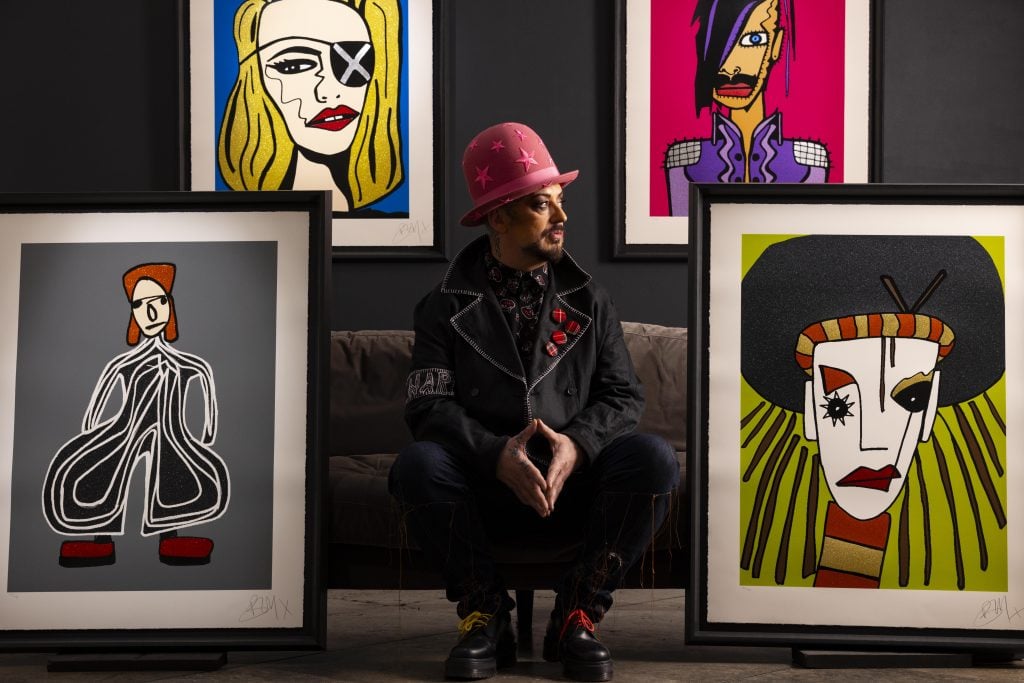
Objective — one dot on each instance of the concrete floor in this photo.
(392, 636)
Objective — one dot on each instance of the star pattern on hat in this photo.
(474, 144)
(520, 134)
(497, 146)
(483, 177)
(526, 159)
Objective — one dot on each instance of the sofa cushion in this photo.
(368, 373)
(361, 511)
(659, 356)
(369, 369)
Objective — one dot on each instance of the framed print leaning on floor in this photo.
(162, 420)
(337, 95)
(855, 389)
(758, 91)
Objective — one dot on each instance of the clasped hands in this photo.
(531, 487)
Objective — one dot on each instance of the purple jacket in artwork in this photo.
(773, 159)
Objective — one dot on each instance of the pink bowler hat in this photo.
(505, 162)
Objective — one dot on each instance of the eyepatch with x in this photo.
(352, 62)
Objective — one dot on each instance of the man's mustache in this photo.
(737, 79)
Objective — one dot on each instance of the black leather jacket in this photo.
(468, 390)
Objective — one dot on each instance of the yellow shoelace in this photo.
(472, 620)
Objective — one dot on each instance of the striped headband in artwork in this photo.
(906, 324)
(871, 325)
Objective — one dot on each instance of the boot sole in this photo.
(579, 671)
(475, 669)
(470, 669)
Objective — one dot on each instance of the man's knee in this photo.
(424, 472)
(646, 463)
(659, 461)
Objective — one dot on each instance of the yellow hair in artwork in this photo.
(255, 150)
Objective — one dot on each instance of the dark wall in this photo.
(92, 97)
(952, 95)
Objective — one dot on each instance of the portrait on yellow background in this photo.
(853, 410)
(872, 412)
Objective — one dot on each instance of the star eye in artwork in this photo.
(837, 408)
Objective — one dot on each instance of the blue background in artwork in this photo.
(225, 73)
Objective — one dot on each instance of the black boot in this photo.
(583, 656)
(486, 643)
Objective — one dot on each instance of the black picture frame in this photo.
(971, 617)
(288, 234)
(420, 236)
(622, 248)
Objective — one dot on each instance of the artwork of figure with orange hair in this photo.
(86, 487)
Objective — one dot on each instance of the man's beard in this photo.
(552, 253)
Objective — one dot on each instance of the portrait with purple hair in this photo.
(738, 94)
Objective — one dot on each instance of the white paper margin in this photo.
(643, 228)
(415, 231)
(728, 601)
(177, 608)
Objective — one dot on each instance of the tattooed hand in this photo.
(565, 459)
(517, 472)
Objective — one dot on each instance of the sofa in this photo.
(368, 546)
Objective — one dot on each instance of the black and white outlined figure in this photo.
(186, 483)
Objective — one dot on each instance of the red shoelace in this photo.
(580, 616)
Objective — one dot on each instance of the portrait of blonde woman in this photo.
(316, 103)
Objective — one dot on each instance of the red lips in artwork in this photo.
(868, 478)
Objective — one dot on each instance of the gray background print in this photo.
(73, 318)
(808, 279)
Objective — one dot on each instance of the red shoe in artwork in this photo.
(95, 553)
(183, 550)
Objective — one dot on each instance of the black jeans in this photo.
(615, 504)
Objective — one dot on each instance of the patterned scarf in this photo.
(520, 295)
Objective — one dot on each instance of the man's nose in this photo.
(558, 215)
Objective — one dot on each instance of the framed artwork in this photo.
(853, 407)
(337, 95)
(758, 91)
(163, 420)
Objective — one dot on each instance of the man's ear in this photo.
(498, 220)
(929, 412)
(810, 426)
(491, 220)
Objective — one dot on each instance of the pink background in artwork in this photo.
(812, 110)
